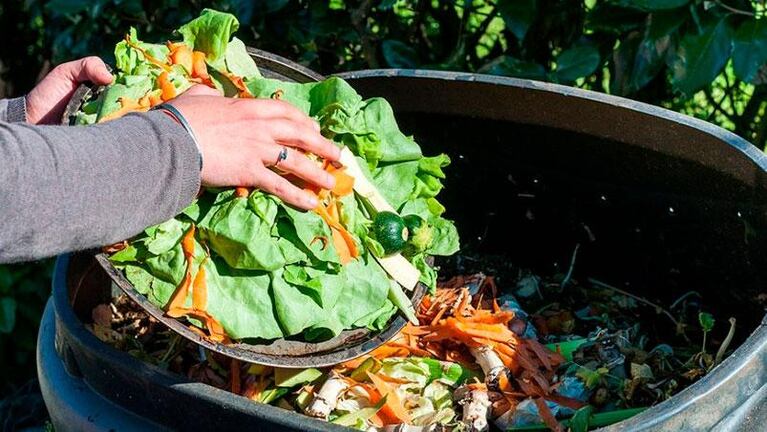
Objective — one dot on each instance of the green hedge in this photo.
(703, 58)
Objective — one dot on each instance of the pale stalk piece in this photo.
(491, 364)
(458, 301)
(726, 343)
(326, 399)
(396, 265)
(402, 427)
(476, 408)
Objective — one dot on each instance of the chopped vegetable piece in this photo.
(390, 231)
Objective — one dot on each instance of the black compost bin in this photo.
(671, 203)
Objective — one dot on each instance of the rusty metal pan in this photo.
(287, 353)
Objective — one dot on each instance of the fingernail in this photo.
(311, 201)
(330, 181)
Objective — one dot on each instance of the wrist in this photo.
(179, 118)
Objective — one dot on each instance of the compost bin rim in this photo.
(563, 90)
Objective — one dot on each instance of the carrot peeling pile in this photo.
(473, 331)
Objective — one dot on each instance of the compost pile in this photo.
(589, 356)
(240, 264)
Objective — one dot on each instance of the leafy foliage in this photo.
(23, 291)
(703, 58)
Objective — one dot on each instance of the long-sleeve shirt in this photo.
(68, 188)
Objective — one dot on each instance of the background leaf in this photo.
(706, 321)
(518, 15)
(577, 62)
(399, 54)
(7, 314)
(510, 66)
(750, 49)
(699, 58)
(653, 5)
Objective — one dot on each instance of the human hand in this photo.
(46, 102)
(241, 139)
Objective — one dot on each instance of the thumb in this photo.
(91, 69)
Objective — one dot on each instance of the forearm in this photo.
(72, 188)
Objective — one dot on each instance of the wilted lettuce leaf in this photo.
(445, 237)
(241, 301)
(313, 233)
(239, 62)
(135, 89)
(396, 181)
(241, 237)
(132, 62)
(210, 33)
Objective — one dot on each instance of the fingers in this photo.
(271, 182)
(277, 109)
(91, 69)
(306, 138)
(298, 164)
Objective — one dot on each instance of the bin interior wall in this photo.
(661, 225)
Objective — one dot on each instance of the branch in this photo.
(751, 111)
(358, 17)
(734, 10)
(718, 106)
(657, 307)
(761, 130)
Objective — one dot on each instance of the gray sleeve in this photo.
(67, 188)
(13, 110)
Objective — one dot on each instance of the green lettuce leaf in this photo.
(239, 62)
(241, 237)
(210, 33)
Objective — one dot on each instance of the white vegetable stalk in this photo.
(476, 408)
(491, 364)
(410, 428)
(326, 399)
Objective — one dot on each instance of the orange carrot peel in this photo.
(176, 305)
(328, 209)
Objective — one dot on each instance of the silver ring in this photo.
(282, 156)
